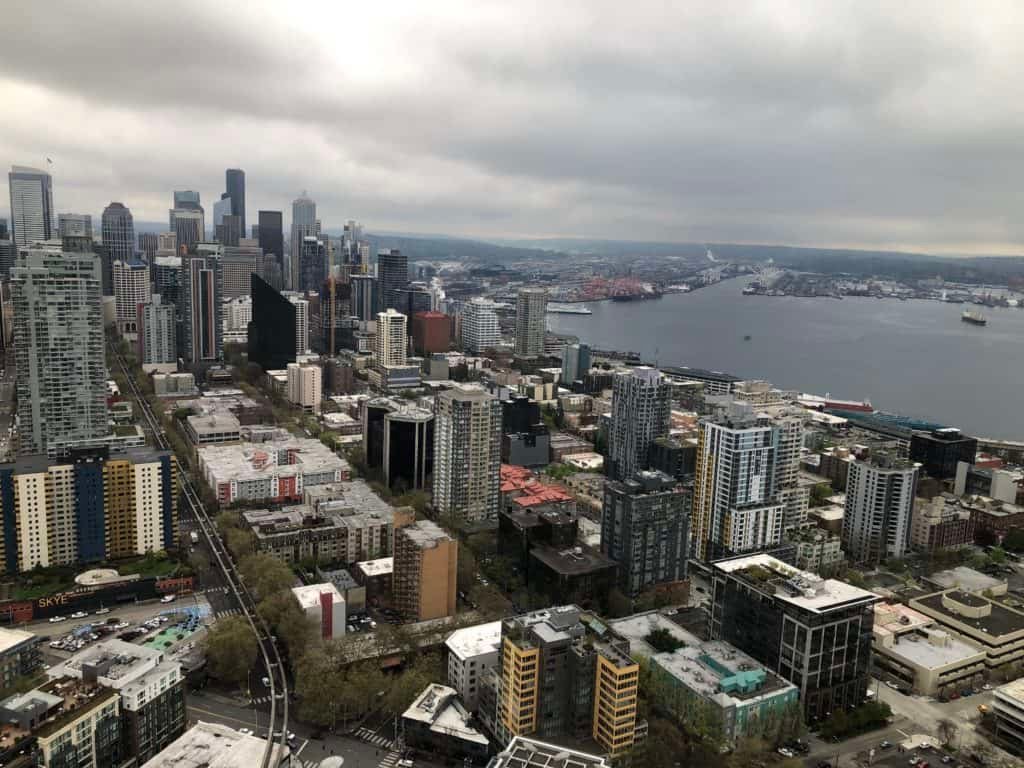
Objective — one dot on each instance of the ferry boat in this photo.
(569, 309)
(974, 318)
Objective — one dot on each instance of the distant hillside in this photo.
(456, 249)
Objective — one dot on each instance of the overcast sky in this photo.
(820, 123)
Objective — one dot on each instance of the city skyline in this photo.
(674, 125)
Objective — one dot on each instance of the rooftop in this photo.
(967, 579)
(424, 534)
(309, 595)
(523, 752)
(250, 461)
(791, 585)
(896, 619)
(475, 640)
(1012, 691)
(115, 663)
(79, 698)
(988, 618)
(439, 705)
(382, 566)
(12, 638)
(211, 745)
(573, 561)
(933, 648)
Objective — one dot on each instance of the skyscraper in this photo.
(271, 236)
(735, 502)
(641, 409)
(645, 528)
(392, 276)
(31, 205)
(304, 225)
(575, 363)
(156, 330)
(272, 335)
(149, 243)
(239, 262)
(364, 296)
(234, 183)
(531, 321)
(118, 232)
(467, 454)
(131, 288)
(58, 333)
(221, 208)
(189, 227)
(186, 198)
(879, 504)
(74, 225)
(312, 259)
(480, 330)
(390, 343)
(202, 292)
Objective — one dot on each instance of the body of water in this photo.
(915, 358)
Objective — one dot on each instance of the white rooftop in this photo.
(523, 752)
(439, 705)
(378, 567)
(9, 638)
(123, 662)
(934, 649)
(1012, 691)
(802, 589)
(967, 579)
(476, 640)
(309, 595)
(211, 745)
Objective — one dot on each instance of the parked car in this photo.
(79, 615)
(102, 611)
(885, 744)
(167, 599)
(56, 619)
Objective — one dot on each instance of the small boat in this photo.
(974, 318)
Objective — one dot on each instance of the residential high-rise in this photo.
(239, 262)
(234, 183)
(365, 296)
(131, 288)
(480, 330)
(575, 363)
(424, 575)
(118, 232)
(271, 236)
(74, 225)
(272, 332)
(7, 251)
(467, 454)
(431, 332)
(89, 507)
(202, 292)
(166, 274)
(814, 632)
(641, 408)
(392, 277)
(32, 219)
(312, 259)
(301, 321)
(531, 321)
(304, 224)
(645, 528)
(391, 341)
(879, 505)
(564, 675)
(157, 347)
(793, 495)
(149, 243)
(735, 505)
(58, 336)
(305, 386)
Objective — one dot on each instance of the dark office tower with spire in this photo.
(392, 277)
(234, 185)
(271, 237)
(118, 232)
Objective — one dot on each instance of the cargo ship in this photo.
(569, 309)
(972, 317)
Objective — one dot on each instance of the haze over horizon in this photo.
(848, 125)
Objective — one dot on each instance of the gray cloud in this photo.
(845, 123)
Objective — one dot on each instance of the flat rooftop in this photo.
(309, 595)
(12, 638)
(117, 662)
(791, 585)
(382, 566)
(995, 620)
(699, 374)
(896, 619)
(573, 561)
(251, 461)
(967, 579)
(933, 649)
(522, 752)
(424, 533)
(211, 745)
(1012, 691)
(476, 640)
(439, 705)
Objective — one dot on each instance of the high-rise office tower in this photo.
(58, 335)
(467, 454)
(238, 263)
(202, 292)
(221, 208)
(189, 227)
(575, 363)
(735, 502)
(424, 574)
(398, 439)
(271, 236)
(531, 321)
(392, 276)
(364, 296)
(149, 243)
(131, 288)
(31, 205)
(74, 225)
(7, 251)
(118, 232)
(391, 341)
(186, 198)
(879, 504)
(645, 528)
(156, 333)
(167, 244)
(641, 408)
(272, 332)
(166, 276)
(480, 330)
(230, 231)
(312, 264)
(234, 183)
(304, 224)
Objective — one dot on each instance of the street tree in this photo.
(231, 650)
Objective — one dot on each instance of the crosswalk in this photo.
(227, 612)
(370, 737)
(390, 760)
(261, 699)
(209, 590)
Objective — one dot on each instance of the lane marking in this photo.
(299, 750)
(222, 716)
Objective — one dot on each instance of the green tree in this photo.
(265, 575)
(289, 623)
(663, 641)
(1014, 540)
(997, 556)
(231, 650)
(240, 543)
(319, 684)
(425, 669)
(467, 569)
(619, 604)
